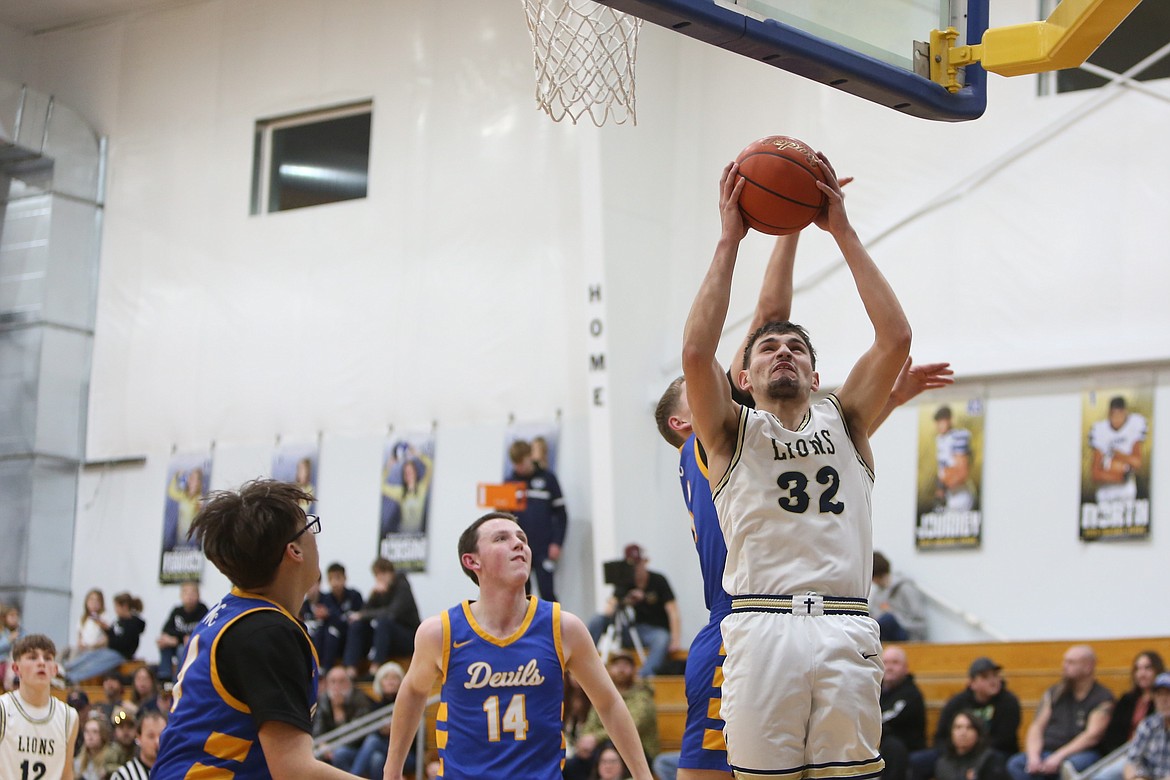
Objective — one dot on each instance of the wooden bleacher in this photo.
(941, 671)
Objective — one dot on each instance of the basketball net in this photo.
(584, 57)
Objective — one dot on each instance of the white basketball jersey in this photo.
(33, 741)
(795, 507)
(1107, 441)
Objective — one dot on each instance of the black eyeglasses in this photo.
(312, 525)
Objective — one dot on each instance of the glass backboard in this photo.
(875, 49)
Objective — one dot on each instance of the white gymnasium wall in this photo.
(456, 292)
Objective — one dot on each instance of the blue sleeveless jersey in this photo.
(692, 471)
(210, 733)
(501, 713)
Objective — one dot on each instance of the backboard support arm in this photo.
(1071, 33)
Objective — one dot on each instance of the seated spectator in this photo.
(639, 701)
(1149, 754)
(144, 690)
(97, 758)
(333, 611)
(609, 764)
(122, 639)
(341, 704)
(176, 632)
(312, 607)
(91, 632)
(647, 604)
(371, 756)
(1132, 708)
(579, 765)
(150, 729)
(10, 631)
(896, 604)
(387, 621)
(987, 697)
(115, 697)
(576, 707)
(1069, 722)
(78, 700)
(125, 739)
(966, 754)
(903, 714)
(165, 700)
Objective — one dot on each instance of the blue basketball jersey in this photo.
(501, 713)
(211, 733)
(692, 471)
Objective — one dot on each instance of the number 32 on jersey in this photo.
(797, 498)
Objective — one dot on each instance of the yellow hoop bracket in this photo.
(1072, 32)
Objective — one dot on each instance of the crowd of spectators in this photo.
(1080, 731)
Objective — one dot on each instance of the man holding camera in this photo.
(642, 603)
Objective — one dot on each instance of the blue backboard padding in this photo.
(815, 58)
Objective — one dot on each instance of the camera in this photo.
(618, 573)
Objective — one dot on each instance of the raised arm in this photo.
(714, 413)
(867, 388)
(913, 380)
(413, 694)
(582, 660)
(775, 301)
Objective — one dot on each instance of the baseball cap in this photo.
(1162, 681)
(981, 665)
(634, 553)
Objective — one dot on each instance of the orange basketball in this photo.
(780, 193)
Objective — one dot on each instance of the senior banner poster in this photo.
(408, 469)
(950, 475)
(297, 463)
(188, 477)
(1115, 471)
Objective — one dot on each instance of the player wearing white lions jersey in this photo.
(1117, 452)
(792, 484)
(37, 731)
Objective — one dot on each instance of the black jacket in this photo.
(1002, 715)
(904, 714)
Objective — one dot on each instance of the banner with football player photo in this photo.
(297, 463)
(188, 478)
(950, 475)
(1115, 471)
(408, 469)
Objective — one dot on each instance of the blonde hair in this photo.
(386, 669)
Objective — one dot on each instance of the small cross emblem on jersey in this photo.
(810, 604)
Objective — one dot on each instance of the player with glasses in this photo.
(312, 525)
(245, 696)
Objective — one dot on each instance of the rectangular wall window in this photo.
(311, 158)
